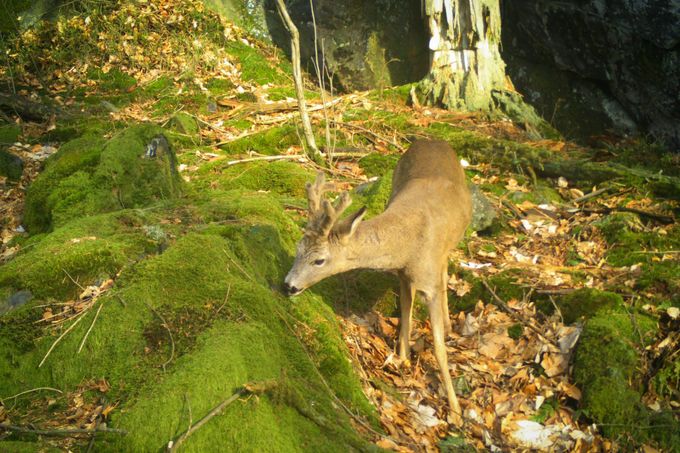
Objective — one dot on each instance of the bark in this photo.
(466, 67)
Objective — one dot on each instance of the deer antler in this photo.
(322, 214)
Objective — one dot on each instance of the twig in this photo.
(90, 445)
(167, 328)
(556, 291)
(54, 345)
(516, 212)
(2, 400)
(370, 132)
(239, 266)
(301, 157)
(592, 194)
(173, 445)
(504, 306)
(660, 217)
(268, 158)
(226, 299)
(557, 309)
(75, 282)
(87, 334)
(60, 432)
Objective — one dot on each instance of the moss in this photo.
(114, 80)
(88, 176)
(86, 249)
(284, 178)
(376, 164)
(254, 66)
(515, 331)
(11, 166)
(376, 195)
(632, 244)
(605, 369)
(588, 302)
(269, 142)
(503, 284)
(9, 133)
(219, 86)
(81, 154)
(184, 124)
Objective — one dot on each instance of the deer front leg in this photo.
(436, 319)
(406, 297)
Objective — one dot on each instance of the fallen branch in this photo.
(254, 388)
(501, 303)
(592, 194)
(2, 400)
(300, 157)
(665, 219)
(60, 432)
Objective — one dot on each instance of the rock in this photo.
(184, 124)
(11, 165)
(597, 66)
(366, 44)
(483, 213)
(15, 300)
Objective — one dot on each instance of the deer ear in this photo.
(345, 228)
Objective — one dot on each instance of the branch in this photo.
(297, 77)
(60, 432)
(254, 388)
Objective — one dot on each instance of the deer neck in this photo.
(379, 244)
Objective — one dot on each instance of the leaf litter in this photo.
(515, 390)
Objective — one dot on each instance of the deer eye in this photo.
(319, 262)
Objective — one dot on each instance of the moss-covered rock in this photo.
(89, 176)
(212, 289)
(588, 302)
(283, 178)
(9, 133)
(81, 154)
(606, 369)
(11, 166)
(184, 124)
(87, 249)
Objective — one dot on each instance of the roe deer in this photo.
(427, 214)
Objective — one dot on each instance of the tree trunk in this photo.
(465, 66)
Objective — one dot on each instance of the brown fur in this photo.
(428, 212)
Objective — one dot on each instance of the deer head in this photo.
(323, 250)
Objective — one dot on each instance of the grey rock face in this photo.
(596, 64)
(372, 44)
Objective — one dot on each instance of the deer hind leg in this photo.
(445, 303)
(434, 302)
(406, 297)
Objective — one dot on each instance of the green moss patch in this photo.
(283, 178)
(586, 303)
(269, 142)
(605, 368)
(88, 176)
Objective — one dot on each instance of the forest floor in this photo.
(565, 304)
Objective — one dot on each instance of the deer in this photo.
(426, 216)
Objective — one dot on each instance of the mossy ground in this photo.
(208, 255)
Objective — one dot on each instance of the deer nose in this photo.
(290, 290)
